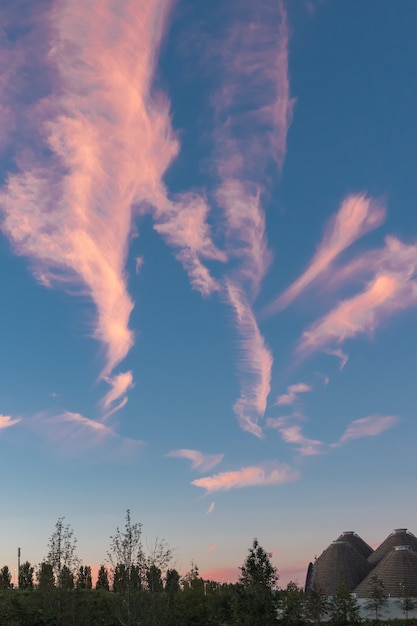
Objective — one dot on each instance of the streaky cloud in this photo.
(252, 476)
(344, 358)
(357, 215)
(200, 461)
(183, 225)
(116, 397)
(254, 364)
(359, 314)
(72, 432)
(6, 421)
(370, 426)
(292, 392)
(210, 510)
(103, 143)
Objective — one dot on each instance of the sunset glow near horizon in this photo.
(208, 260)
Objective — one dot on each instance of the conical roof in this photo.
(356, 542)
(339, 563)
(399, 537)
(398, 572)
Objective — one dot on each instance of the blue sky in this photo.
(208, 262)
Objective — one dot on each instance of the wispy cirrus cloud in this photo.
(362, 313)
(6, 421)
(73, 432)
(200, 461)
(305, 446)
(292, 434)
(248, 477)
(210, 510)
(101, 142)
(255, 364)
(370, 426)
(344, 358)
(292, 392)
(116, 398)
(357, 215)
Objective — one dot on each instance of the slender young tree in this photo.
(344, 609)
(62, 550)
(378, 597)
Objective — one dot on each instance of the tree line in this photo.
(140, 587)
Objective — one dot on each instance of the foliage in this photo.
(257, 569)
(83, 580)
(62, 552)
(378, 596)
(26, 576)
(255, 600)
(103, 579)
(317, 605)
(5, 578)
(344, 609)
(292, 605)
(45, 576)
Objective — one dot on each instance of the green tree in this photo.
(154, 579)
(5, 578)
(344, 609)
(62, 550)
(45, 576)
(292, 605)
(103, 578)
(406, 602)
(128, 562)
(172, 581)
(26, 576)
(83, 580)
(66, 578)
(317, 605)
(255, 597)
(377, 598)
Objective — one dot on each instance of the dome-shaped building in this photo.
(339, 563)
(398, 573)
(356, 542)
(399, 537)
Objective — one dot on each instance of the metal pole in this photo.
(18, 568)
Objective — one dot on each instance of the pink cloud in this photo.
(6, 421)
(183, 224)
(356, 216)
(254, 90)
(305, 446)
(292, 392)
(255, 364)
(120, 384)
(72, 432)
(200, 461)
(211, 548)
(245, 232)
(368, 427)
(221, 574)
(210, 510)
(340, 355)
(386, 294)
(104, 142)
(247, 477)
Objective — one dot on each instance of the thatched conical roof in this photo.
(399, 537)
(398, 572)
(339, 563)
(356, 542)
